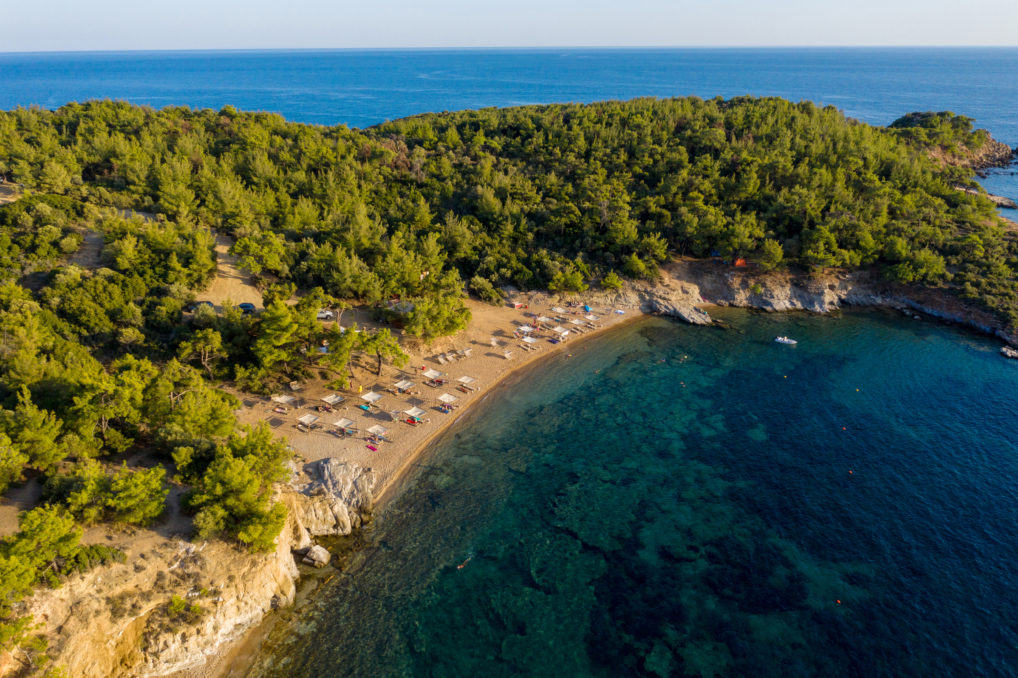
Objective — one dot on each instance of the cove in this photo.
(680, 501)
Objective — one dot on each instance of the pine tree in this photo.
(276, 336)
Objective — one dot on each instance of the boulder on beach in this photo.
(317, 556)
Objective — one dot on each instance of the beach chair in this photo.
(441, 359)
(508, 355)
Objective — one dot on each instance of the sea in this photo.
(662, 500)
(673, 500)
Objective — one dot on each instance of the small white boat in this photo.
(785, 340)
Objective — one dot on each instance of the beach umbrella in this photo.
(344, 423)
(308, 419)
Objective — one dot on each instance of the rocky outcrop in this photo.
(116, 620)
(317, 556)
(689, 285)
(329, 498)
(1001, 201)
(993, 153)
(998, 200)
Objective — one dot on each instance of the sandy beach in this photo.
(492, 333)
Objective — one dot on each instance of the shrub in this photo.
(483, 288)
(611, 281)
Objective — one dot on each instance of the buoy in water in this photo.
(850, 471)
(838, 602)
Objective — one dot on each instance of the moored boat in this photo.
(785, 340)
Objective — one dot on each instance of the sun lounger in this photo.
(441, 360)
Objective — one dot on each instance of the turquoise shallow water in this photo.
(673, 500)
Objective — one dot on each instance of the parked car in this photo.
(194, 306)
(246, 308)
(326, 314)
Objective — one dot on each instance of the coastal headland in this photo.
(97, 621)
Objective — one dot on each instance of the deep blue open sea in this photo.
(669, 500)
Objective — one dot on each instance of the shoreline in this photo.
(389, 490)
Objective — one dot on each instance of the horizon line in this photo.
(514, 48)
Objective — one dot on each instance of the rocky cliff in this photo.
(687, 288)
(119, 620)
(993, 153)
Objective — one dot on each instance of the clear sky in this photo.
(44, 25)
